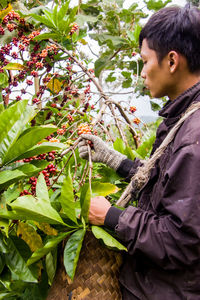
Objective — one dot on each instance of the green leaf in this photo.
(12, 122)
(40, 210)
(42, 148)
(137, 30)
(82, 19)
(4, 226)
(48, 247)
(1, 106)
(131, 153)
(103, 189)
(41, 188)
(10, 176)
(113, 42)
(108, 174)
(119, 145)
(27, 141)
(126, 74)
(3, 80)
(144, 149)
(155, 106)
(67, 198)
(17, 265)
(72, 252)
(108, 240)
(54, 15)
(32, 168)
(3, 244)
(102, 63)
(51, 264)
(156, 4)
(127, 83)
(85, 201)
(47, 36)
(2, 263)
(3, 4)
(111, 78)
(62, 13)
(46, 21)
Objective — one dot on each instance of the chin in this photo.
(157, 94)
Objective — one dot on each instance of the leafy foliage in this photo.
(46, 99)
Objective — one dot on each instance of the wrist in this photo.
(112, 217)
(114, 160)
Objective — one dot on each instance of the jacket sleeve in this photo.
(128, 168)
(171, 239)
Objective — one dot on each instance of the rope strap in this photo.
(143, 173)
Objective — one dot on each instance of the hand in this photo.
(99, 207)
(100, 152)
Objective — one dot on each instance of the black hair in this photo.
(174, 28)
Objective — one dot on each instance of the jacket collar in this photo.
(175, 108)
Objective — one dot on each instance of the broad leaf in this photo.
(4, 226)
(156, 4)
(46, 21)
(40, 210)
(119, 145)
(108, 240)
(103, 189)
(72, 252)
(12, 123)
(14, 66)
(16, 263)
(27, 141)
(29, 235)
(32, 168)
(41, 188)
(55, 85)
(3, 245)
(10, 176)
(3, 80)
(85, 201)
(101, 64)
(146, 146)
(5, 11)
(46, 228)
(114, 42)
(2, 262)
(67, 198)
(49, 246)
(47, 36)
(42, 148)
(51, 264)
(62, 12)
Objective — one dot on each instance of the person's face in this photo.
(156, 76)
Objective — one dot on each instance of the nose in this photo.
(143, 74)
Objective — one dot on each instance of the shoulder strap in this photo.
(143, 173)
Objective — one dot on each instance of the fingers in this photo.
(90, 137)
(83, 149)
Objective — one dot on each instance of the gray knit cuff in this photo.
(115, 160)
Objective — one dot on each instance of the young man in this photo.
(163, 233)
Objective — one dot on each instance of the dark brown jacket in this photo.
(163, 233)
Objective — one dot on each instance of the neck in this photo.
(183, 84)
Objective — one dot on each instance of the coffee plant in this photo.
(51, 92)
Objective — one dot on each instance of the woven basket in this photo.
(96, 275)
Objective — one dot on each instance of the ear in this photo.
(173, 61)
